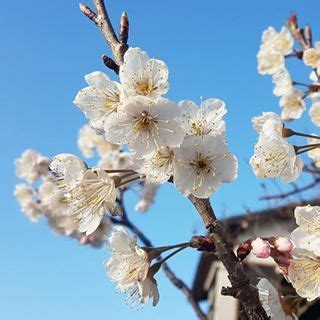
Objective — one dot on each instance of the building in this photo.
(211, 276)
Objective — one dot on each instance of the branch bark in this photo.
(102, 21)
(240, 285)
(178, 283)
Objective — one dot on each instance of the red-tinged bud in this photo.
(244, 249)
(293, 22)
(308, 35)
(202, 243)
(286, 132)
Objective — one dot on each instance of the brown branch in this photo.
(178, 283)
(240, 285)
(102, 21)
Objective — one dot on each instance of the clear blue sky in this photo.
(47, 48)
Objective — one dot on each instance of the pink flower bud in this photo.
(283, 244)
(261, 248)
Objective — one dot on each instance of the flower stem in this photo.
(127, 175)
(131, 180)
(306, 148)
(294, 133)
(119, 171)
(157, 251)
(155, 268)
(300, 84)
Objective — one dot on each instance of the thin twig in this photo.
(102, 21)
(292, 192)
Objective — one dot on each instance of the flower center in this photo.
(145, 122)
(281, 43)
(200, 128)
(145, 87)
(201, 164)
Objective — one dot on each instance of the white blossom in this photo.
(270, 62)
(100, 99)
(99, 236)
(280, 42)
(31, 166)
(63, 224)
(307, 235)
(159, 168)
(272, 302)
(204, 119)
(89, 141)
(55, 206)
(147, 197)
(24, 193)
(282, 81)
(314, 111)
(116, 160)
(145, 125)
(292, 104)
(129, 266)
(304, 273)
(268, 123)
(140, 75)
(311, 56)
(89, 191)
(275, 157)
(53, 200)
(129, 263)
(28, 204)
(314, 154)
(202, 163)
(148, 289)
(68, 168)
(92, 196)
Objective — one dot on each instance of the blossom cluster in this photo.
(304, 269)
(274, 156)
(41, 197)
(184, 141)
(275, 49)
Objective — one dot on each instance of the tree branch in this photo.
(178, 283)
(102, 21)
(241, 288)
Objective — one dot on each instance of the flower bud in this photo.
(261, 248)
(244, 250)
(283, 244)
